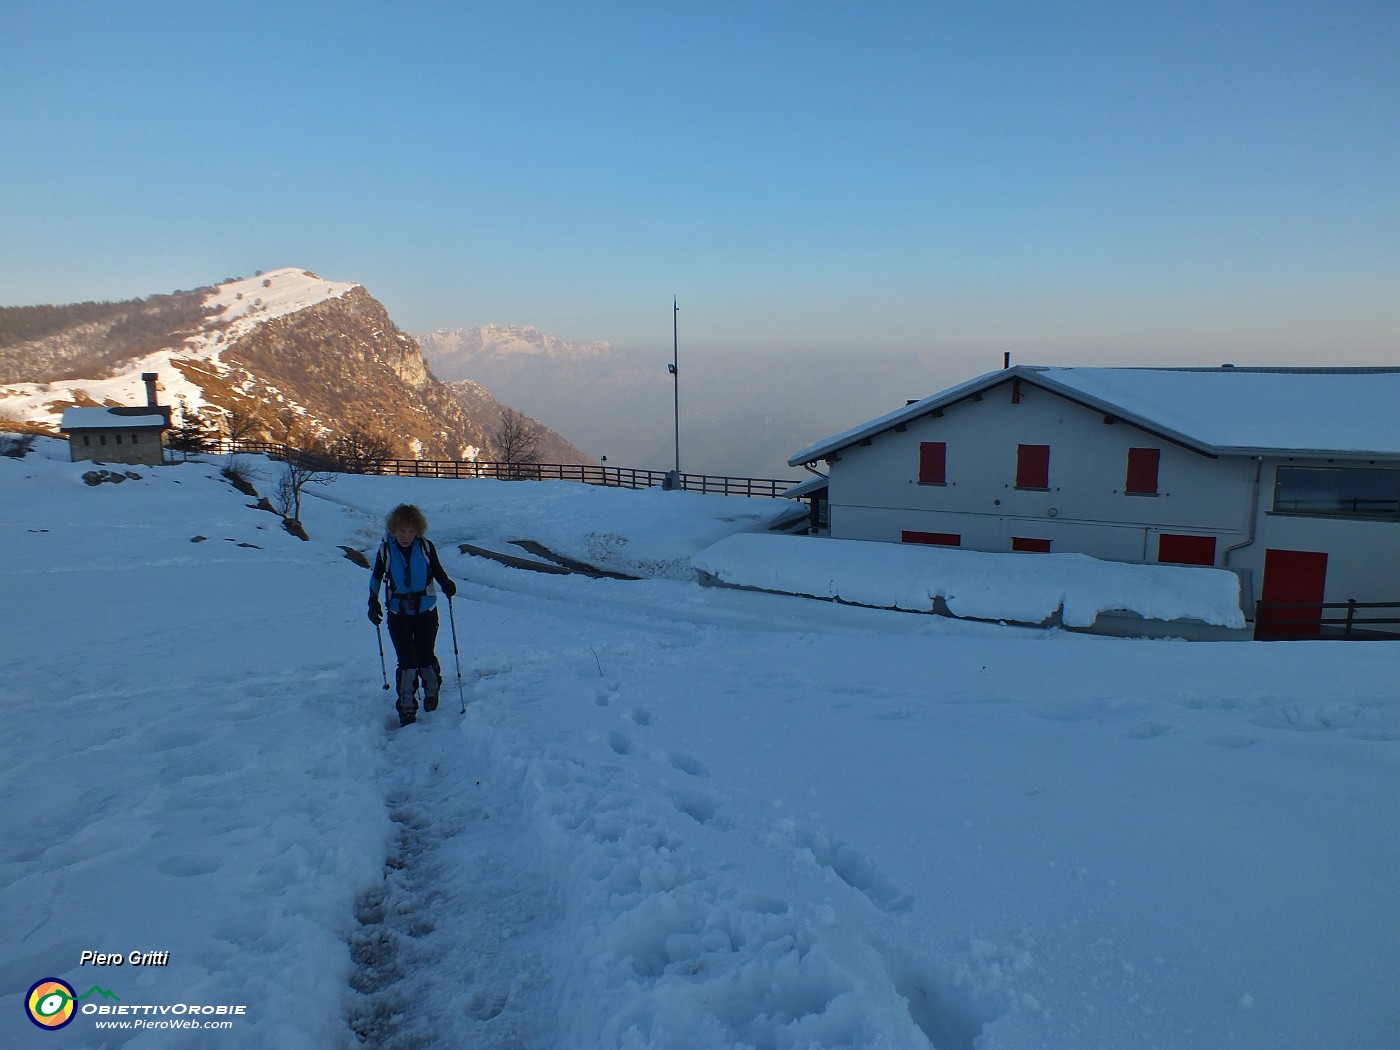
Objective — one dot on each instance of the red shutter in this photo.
(933, 463)
(1142, 471)
(1032, 466)
(936, 539)
(1030, 546)
(1186, 550)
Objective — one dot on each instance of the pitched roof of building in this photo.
(1350, 412)
(807, 488)
(110, 419)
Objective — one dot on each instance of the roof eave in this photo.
(1312, 453)
(1032, 374)
(909, 413)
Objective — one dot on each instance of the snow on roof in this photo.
(806, 488)
(106, 419)
(1341, 410)
(1324, 411)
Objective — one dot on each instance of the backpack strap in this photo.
(386, 577)
(394, 592)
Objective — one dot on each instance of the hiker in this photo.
(408, 561)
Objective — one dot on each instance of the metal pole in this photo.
(676, 376)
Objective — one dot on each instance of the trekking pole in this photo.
(383, 670)
(452, 619)
(378, 631)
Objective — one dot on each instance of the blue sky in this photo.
(1136, 183)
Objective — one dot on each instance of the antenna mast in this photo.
(676, 376)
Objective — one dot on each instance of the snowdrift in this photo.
(1069, 589)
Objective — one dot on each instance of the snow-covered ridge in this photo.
(275, 294)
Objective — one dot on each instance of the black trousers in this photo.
(415, 638)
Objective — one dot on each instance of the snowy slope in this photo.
(672, 816)
(251, 301)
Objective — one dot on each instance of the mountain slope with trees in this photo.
(284, 356)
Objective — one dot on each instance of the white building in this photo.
(1289, 477)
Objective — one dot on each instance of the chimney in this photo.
(149, 378)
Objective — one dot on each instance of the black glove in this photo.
(376, 614)
(449, 588)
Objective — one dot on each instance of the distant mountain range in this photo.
(608, 405)
(461, 353)
(307, 357)
(742, 414)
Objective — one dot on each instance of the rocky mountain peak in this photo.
(309, 359)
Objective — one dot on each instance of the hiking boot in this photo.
(432, 682)
(407, 703)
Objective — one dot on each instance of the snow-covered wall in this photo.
(1024, 588)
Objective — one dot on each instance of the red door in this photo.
(1292, 578)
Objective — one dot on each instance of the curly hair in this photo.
(406, 514)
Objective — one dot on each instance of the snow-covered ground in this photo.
(671, 816)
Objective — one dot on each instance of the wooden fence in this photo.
(586, 473)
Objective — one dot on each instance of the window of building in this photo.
(119, 439)
(1185, 550)
(1030, 545)
(1143, 465)
(102, 438)
(1032, 466)
(935, 539)
(1347, 492)
(933, 463)
(87, 440)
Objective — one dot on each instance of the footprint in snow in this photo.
(689, 764)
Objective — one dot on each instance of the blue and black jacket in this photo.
(410, 575)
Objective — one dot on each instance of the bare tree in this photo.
(517, 441)
(241, 424)
(302, 468)
(360, 452)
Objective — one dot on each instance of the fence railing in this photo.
(585, 473)
(1284, 620)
